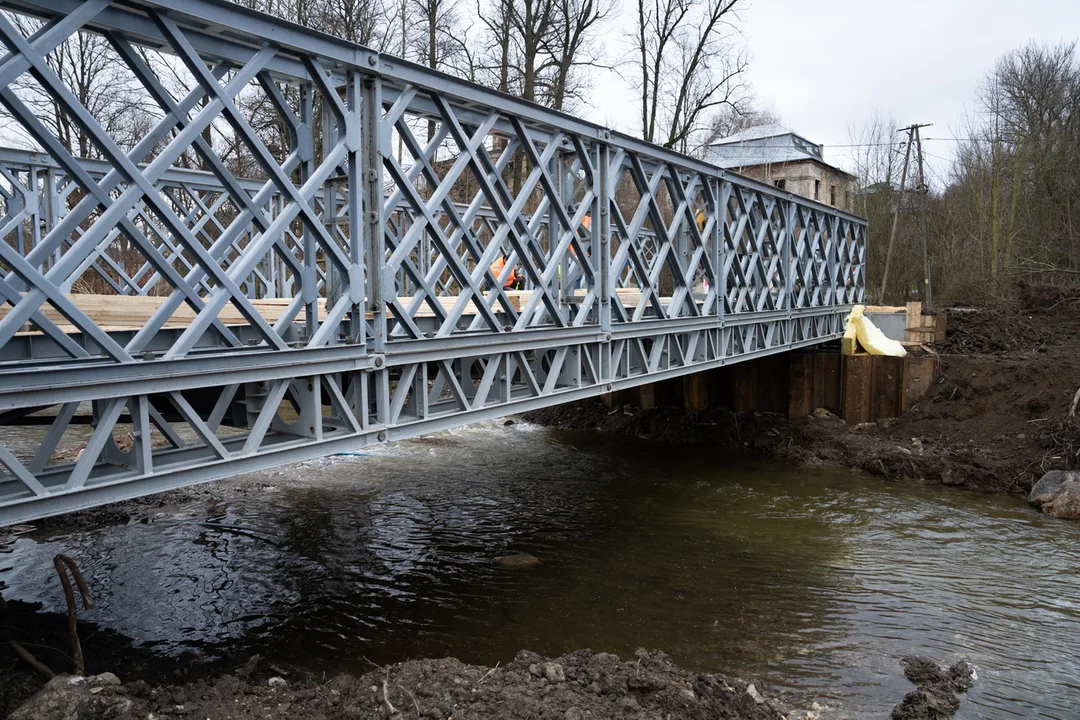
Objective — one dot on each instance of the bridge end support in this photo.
(856, 388)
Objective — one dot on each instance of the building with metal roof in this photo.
(775, 154)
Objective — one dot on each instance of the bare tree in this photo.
(438, 39)
(688, 66)
(878, 155)
(570, 48)
(495, 55)
(531, 22)
(728, 120)
(92, 70)
(1014, 183)
(876, 145)
(361, 21)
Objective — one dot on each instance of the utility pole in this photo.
(924, 191)
(913, 139)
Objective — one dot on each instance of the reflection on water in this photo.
(815, 580)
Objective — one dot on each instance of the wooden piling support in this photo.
(696, 392)
(856, 390)
(917, 380)
(886, 385)
(645, 396)
(859, 388)
(746, 387)
(801, 378)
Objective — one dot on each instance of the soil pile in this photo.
(976, 332)
(572, 687)
(664, 423)
(1047, 298)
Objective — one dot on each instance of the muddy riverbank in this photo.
(997, 416)
(579, 685)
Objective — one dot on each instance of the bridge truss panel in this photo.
(319, 239)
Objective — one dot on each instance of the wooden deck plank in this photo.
(126, 313)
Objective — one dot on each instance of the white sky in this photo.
(825, 66)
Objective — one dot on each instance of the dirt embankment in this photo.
(573, 687)
(996, 418)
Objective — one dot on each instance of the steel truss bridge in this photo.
(322, 281)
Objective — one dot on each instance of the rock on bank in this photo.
(1057, 494)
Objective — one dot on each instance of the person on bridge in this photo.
(514, 281)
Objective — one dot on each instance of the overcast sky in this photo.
(824, 66)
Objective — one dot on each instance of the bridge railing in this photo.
(315, 234)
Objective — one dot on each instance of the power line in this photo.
(939, 157)
(751, 144)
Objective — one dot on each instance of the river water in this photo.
(816, 581)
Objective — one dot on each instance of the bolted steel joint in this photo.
(382, 436)
(378, 361)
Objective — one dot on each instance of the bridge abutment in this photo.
(858, 388)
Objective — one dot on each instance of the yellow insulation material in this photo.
(850, 342)
(869, 336)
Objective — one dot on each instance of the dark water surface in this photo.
(815, 580)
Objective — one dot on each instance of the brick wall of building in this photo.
(809, 179)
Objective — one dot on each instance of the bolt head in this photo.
(382, 436)
(378, 362)
(372, 60)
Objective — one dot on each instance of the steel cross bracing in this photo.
(369, 203)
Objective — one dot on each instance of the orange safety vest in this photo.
(497, 267)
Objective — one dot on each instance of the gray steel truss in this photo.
(371, 199)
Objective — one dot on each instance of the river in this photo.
(814, 580)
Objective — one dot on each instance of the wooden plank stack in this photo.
(120, 313)
(921, 329)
